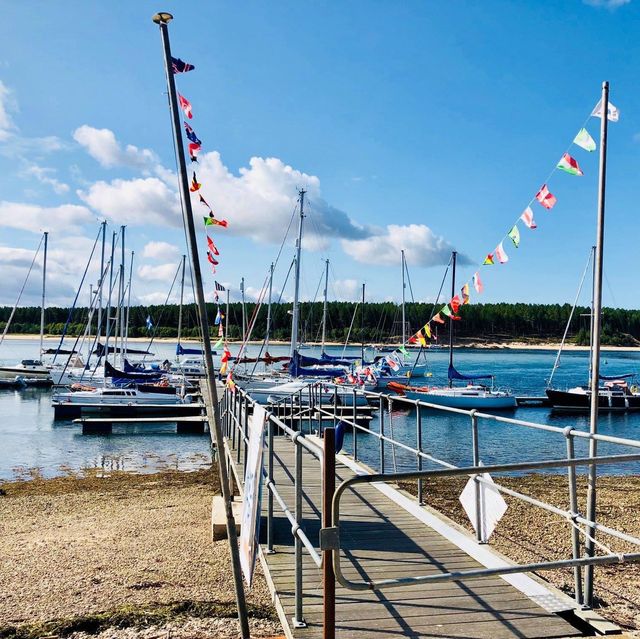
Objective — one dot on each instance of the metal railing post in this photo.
(355, 429)
(245, 433)
(381, 412)
(476, 462)
(298, 619)
(310, 409)
(328, 576)
(573, 505)
(238, 427)
(419, 449)
(270, 479)
(335, 406)
(300, 410)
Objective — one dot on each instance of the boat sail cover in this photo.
(100, 350)
(121, 377)
(612, 378)
(181, 350)
(323, 360)
(454, 374)
(296, 369)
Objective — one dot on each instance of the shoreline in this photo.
(468, 344)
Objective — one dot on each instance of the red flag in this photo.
(212, 220)
(438, 318)
(413, 339)
(211, 260)
(547, 199)
(203, 201)
(195, 185)
(455, 304)
(212, 246)
(185, 105)
(194, 149)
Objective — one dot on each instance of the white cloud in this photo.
(422, 247)
(43, 174)
(7, 103)
(347, 290)
(160, 250)
(141, 201)
(35, 218)
(607, 4)
(158, 272)
(101, 144)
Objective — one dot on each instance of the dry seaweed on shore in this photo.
(528, 534)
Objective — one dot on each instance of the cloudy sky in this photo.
(422, 126)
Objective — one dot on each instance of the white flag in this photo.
(612, 112)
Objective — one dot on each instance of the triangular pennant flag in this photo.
(584, 140)
(421, 338)
(212, 246)
(220, 330)
(211, 260)
(413, 339)
(403, 350)
(612, 112)
(527, 218)
(455, 304)
(218, 344)
(465, 294)
(194, 149)
(547, 199)
(178, 66)
(488, 261)
(203, 201)
(191, 134)
(427, 330)
(195, 185)
(477, 282)
(185, 105)
(569, 165)
(438, 318)
(501, 254)
(514, 234)
(445, 310)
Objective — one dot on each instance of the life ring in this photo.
(634, 389)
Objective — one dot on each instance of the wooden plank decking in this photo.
(380, 539)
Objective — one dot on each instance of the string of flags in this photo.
(546, 199)
(194, 146)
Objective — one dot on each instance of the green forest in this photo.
(371, 322)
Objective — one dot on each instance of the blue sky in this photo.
(415, 125)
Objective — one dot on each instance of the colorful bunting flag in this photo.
(191, 134)
(178, 66)
(514, 234)
(488, 261)
(231, 385)
(455, 304)
(501, 254)
(211, 221)
(427, 330)
(445, 310)
(185, 105)
(465, 294)
(211, 260)
(547, 199)
(584, 140)
(212, 246)
(194, 149)
(220, 330)
(413, 339)
(421, 338)
(219, 318)
(195, 185)
(569, 165)
(477, 282)
(203, 201)
(438, 318)
(403, 350)
(218, 344)
(612, 112)
(527, 218)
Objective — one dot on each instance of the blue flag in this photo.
(191, 134)
(149, 323)
(178, 66)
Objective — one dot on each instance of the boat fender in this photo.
(340, 430)
(634, 389)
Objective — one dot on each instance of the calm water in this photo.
(31, 439)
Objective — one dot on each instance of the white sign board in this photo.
(250, 523)
(492, 505)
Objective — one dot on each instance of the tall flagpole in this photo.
(324, 306)
(404, 325)
(595, 349)
(454, 255)
(296, 291)
(162, 20)
(184, 257)
(44, 285)
(266, 339)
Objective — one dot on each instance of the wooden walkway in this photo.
(381, 539)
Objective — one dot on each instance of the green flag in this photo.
(584, 140)
(218, 344)
(514, 234)
(403, 350)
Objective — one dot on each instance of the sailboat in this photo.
(471, 396)
(614, 393)
(29, 371)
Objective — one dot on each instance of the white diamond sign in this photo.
(492, 505)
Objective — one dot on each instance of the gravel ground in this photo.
(528, 534)
(73, 547)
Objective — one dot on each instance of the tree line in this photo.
(371, 322)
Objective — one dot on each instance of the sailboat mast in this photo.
(101, 283)
(296, 295)
(324, 306)
(162, 20)
(184, 258)
(128, 310)
(121, 300)
(404, 321)
(593, 287)
(453, 292)
(595, 342)
(244, 312)
(266, 341)
(226, 323)
(44, 286)
(109, 318)
(362, 325)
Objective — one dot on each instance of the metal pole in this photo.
(573, 505)
(101, 283)
(296, 294)
(381, 411)
(226, 325)
(44, 285)
(354, 411)
(404, 330)
(324, 306)
(244, 312)
(419, 448)
(162, 21)
(109, 318)
(593, 284)
(362, 325)
(595, 350)
(126, 324)
(476, 462)
(328, 576)
(298, 619)
(184, 259)
(122, 267)
(266, 339)
(453, 292)
(270, 478)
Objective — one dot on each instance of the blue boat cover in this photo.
(297, 370)
(614, 377)
(453, 374)
(181, 350)
(323, 360)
